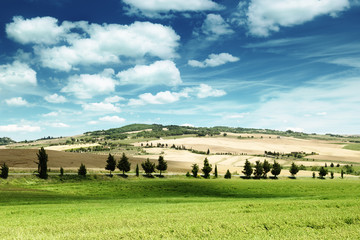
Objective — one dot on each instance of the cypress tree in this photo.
(162, 165)
(227, 174)
(82, 170)
(215, 171)
(137, 170)
(258, 169)
(207, 168)
(247, 169)
(276, 169)
(61, 171)
(294, 169)
(195, 170)
(124, 164)
(42, 164)
(266, 168)
(110, 163)
(4, 171)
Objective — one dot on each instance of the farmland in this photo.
(178, 207)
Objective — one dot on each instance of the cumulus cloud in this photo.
(215, 26)
(110, 43)
(159, 98)
(38, 30)
(266, 16)
(114, 99)
(51, 114)
(204, 91)
(86, 86)
(112, 119)
(101, 107)
(157, 8)
(17, 74)
(214, 60)
(58, 125)
(55, 98)
(161, 72)
(16, 102)
(19, 128)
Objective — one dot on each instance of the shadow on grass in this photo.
(148, 176)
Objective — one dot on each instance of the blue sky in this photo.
(67, 67)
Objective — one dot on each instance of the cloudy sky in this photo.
(67, 67)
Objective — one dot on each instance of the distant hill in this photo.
(6, 141)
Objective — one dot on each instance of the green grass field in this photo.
(353, 146)
(100, 207)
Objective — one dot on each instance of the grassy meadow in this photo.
(99, 207)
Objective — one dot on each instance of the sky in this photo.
(68, 67)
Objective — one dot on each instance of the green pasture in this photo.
(100, 207)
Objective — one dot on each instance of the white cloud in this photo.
(154, 8)
(204, 91)
(214, 26)
(19, 128)
(58, 125)
(187, 125)
(51, 114)
(17, 74)
(266, 16)
(114, 99)
(295, 129)
(214, 60)
(161, 72)
(100, 107)
(160, 98)
(86, 86)
(112, 119)
(55, 98)
(92, 122)
(16, 102)
(38, 30)
(111, 43)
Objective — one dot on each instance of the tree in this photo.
(313, 176)
(148, 167)
(137, 170)
(195, 169)
(42, 164)
(247, 169)
(215, 171)
(124, 164)
(294, 169)
(266, 168)
(207, 168)
(162, 165)
(323, 172)
(208, 152)
(342, 173)
(227, 174)
(4, 171)
(110, 163)
(332, 175)
(82, 170)
(276, 169)
(258, 172)
(61, 171)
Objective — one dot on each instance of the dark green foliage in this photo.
(137, 170)
(258, 172)
(313, 175)
(148, 167)
(276, 169)
(342, 173)
(266, 168)
(82, 170)
(326, 165)
(247, 169)
(124, 164)
(4, 171)
(227, 174)
(208, 152)
(110, 163)
(42, 164)
(332, 175)
(207, 168)
(323, 172)
(215, 171)
(162, 164)
(6, 141)
(348, 169)
(331, 165)
(61, 171)
(195, 169)
(294, 169)
(187, 174)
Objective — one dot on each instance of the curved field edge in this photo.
(179, 208)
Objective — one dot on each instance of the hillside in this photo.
(6, 141)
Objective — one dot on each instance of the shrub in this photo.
(82, 170)
(61, 171)
(188, 174)
(313, 175)
(227, 174)
(332, 175)
(294, 169)
(323, 172)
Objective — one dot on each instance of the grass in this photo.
(178, 208)
(353, 146)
